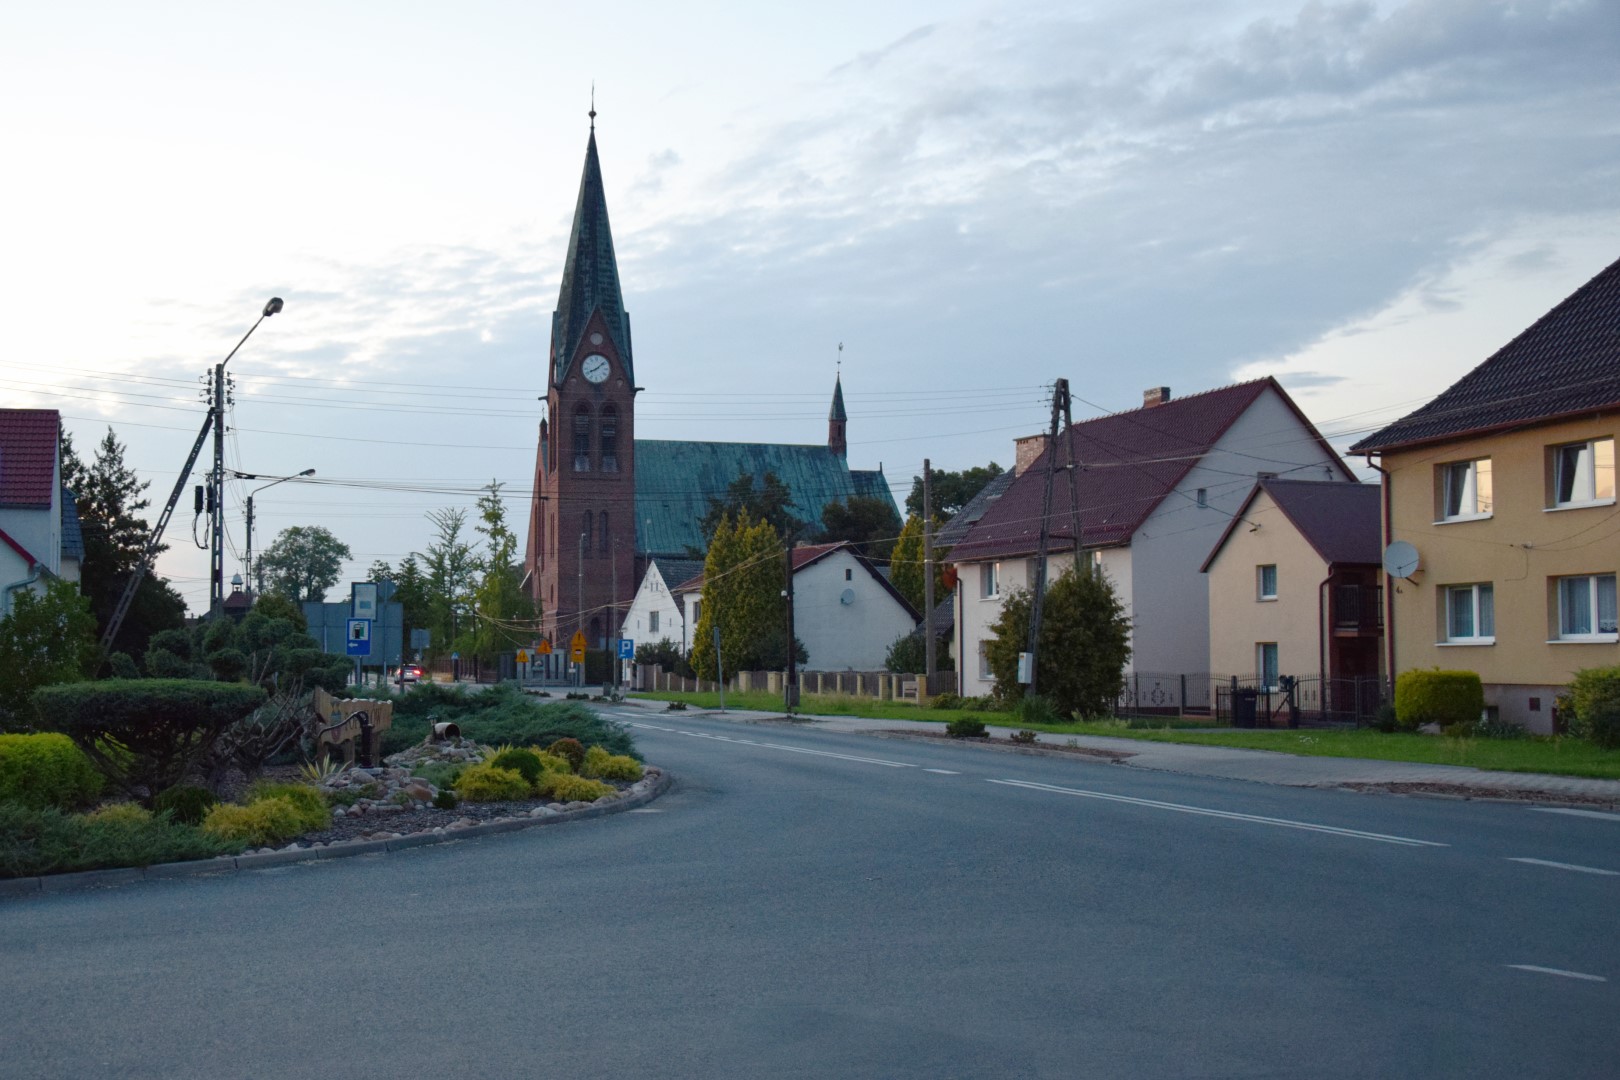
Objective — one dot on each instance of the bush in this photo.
(1025, 737)
(441, 774)
(266, 821)
(185, 804)
(946, 701)
(562, 787)
(445, 800)
(46, 770)
(1384, 718)
(964, 727)
(665, 654)
(605, 766)
(571, 749)
(126, 813)
(1594, 694)
(554, 762)
(144, 735)
(1036, 709)
(313, 813)
(497, 715)
(487, 783)
(48, 841)
(1438, 697)
(526, 763)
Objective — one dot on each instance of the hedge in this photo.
(1595, 696)
(1446, 698)
(46, 770)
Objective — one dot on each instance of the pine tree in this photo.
(506, 616)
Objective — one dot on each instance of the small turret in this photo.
(837, 419)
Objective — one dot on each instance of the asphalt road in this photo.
(807, 904)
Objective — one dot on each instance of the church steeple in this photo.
(590, 281)
(837, 419)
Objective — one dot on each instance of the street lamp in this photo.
(255, 491)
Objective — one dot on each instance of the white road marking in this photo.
(1599, 814)
(1558, 971)
(943, 772)
(1567, 866)
(790, 749)
(1285, 823)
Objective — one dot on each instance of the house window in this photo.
(610, 439)
(1266, 581)
(1203, 496)
(984, 661)
(697, 611)
(1470, 615)
(1583, 473)
(1586, 608)
(652, 622)
(582, 438)
(1465, 490)
(989, 580)
(1265, 664)
(849, 575)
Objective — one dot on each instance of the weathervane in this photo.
(593, 105)
(840, 358)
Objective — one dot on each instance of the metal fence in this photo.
(1301, 701)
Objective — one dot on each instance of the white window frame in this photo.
(1593, 584)
(990, 581)
(1473, 505)
(1587, 489)
(1476, 611)
(1260, 592)
(1261, 650)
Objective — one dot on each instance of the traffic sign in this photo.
(627, 649)
(358, 637)
(523, 656)
(544, 648)
(576, 647)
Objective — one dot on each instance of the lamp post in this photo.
(255, 491)
(216, 574)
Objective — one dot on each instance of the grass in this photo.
(1551, 755)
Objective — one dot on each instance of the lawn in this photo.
(1555, 756)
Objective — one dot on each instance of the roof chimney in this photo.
(1155, 395)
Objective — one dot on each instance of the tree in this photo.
(110, 499)
(742, 594)
(506, 616)
(1084, 643)
(951, 490)
(47, 638)
(870, 524)
(771, 503)
(303, 563)
(906, 565)
(450, 568)
(908, 654)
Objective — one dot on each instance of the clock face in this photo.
(596, 367)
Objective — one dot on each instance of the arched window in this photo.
(602, 535)
(582, 438)
(585, 535)
(610, 439)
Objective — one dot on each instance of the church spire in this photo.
(837, 419)
(590, 281)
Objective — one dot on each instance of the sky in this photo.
(1364, 199)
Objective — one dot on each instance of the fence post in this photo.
(1181, 702)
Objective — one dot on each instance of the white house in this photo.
(1156, 488)
(655, 613)
(39, 527)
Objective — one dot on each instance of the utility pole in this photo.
(790, 686)
(216, 519)
(579, 675)
(929, 644)
(1060, 394)
(613, 612)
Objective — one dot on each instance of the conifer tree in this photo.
(742, 594)
(906, 564)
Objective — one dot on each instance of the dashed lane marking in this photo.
(943, 772)
(1599, 814)
(779, 746)
(1229, 815)
(1567, 866)
(646, 810)
(1539, 970)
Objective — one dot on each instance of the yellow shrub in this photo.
(263, 822)
(554, 762)
(565, 788)
(487, 783)
(600, 763)
(313, 813)
(128, 813)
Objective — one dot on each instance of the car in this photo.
(410, 673)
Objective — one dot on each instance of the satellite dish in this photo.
(847, 596)
(1400, 559)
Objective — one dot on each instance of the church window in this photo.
(585, 536)
(582, 438)
(610, 439)
(602, 534)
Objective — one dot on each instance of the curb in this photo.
(661, 782)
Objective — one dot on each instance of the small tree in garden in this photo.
(1084, 643)
(742, 594)
(1594, 695)
(48, 638)
(145, 735)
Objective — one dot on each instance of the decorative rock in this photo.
(542, 811)
(419, 790)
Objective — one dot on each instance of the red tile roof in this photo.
(1342, 521)
(1129, 462)
(28, 456)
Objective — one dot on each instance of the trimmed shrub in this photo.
(487, 783)
(46, 770)
(313, 812)
(48, 841)
(127, 813)
(144, 735)
(500, 714)
(553, 762)
(1025, 737)
(605, 766)
(445, 800)
(1446, 698)
(1594, 694)
(565, 788)
(526, 763)
(946, 701)
(267, 821)
(965, 727)
(572, 749)
(185, 804)
(441, 774)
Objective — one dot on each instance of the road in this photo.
(814, 904)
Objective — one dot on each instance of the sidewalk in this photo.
(1259, 766)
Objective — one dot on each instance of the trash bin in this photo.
(1245, 706)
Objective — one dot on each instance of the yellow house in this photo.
(1504, 488)
(1296, 595)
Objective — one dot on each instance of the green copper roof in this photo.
(675, 480)
(837, 410)
(871, 484)
(590, 279)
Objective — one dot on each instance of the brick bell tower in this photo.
(582, 535)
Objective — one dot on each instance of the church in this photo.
(605, 504)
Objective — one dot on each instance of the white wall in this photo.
(653, 597)
(977, 615)
(844, 637)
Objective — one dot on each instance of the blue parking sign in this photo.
(627, 649)
(358, 639)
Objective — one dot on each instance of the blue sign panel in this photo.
(358, 637)
(627, 649)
